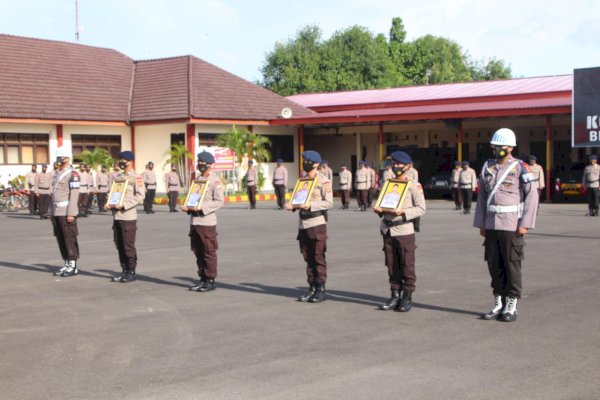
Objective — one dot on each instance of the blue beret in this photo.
(324, 162)
(594, 157)
(126, 155)
(465, 163)
(456, 162)
(532, 158)
(279, 161)
(206, 157)
(401, 157)
(312, 156)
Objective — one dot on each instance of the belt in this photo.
(311, 214)
(361, 182)
(83, 185)
(62, 203)
(46, 188)
(503, 209)
(594, 181)
(465, 184)
(173, 184)
(390, 223)
(102, 186)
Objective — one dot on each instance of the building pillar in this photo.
(459, 142)
(381, 154)
(59, 135)
(132, 134)
(300, 148)
(190, 144)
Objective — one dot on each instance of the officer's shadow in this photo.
(142, 278)
(332, 295)
(47, 268)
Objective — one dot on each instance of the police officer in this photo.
(64, 210)
(125, 218)
(280, 178)
(397, 229)
(373, 186)
(43, 191)
(203, 225)
(83, 191)
(149, 178)
(312, 228)
(172, 183)
(388, 173)
(468, 184)
(591, 176)
(455, 185)
(30, 182)
(251, 183)
(506, 210)
(91, 188)
(362, 185)
(102, 189)
(345, 186)
(325, 170)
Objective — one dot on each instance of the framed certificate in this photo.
(302, 191)
(116, 197)
(196, 194)
(392, 195)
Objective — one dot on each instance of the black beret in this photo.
(312, 156)
(401, 157)
(206, 157)
(126, 155)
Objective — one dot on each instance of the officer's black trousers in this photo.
(457, 197)
(280, 193)
(504, 251)
(252, 195)
(313, 245)
(101, 200)
(400, 259)
(66, 236)
(124, 236)
(593, 198)
(204, 244)
(467, 197)
(345, 196)
(149, 199)
(173, 200)
(44, 203)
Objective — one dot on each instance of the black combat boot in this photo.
(207, 286)
(129, 276)
(117, 278)
(306, 296)
(392, 302)
(196, 288)
(319, 295)
(71, 270)
(405, 302)
(63, 268)
(496, 309)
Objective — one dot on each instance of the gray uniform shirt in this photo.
(84, 184)
(467, 178)
(252, 177)
(172, 180)
(517, 188)
(30, 179)
(538, 176)
(149, 178)
(321, 199)
(363, 179)
(345, 180)
(388, 174)
(102, 183)
(65, 193)
(456, 178)
(43, 183)
(213, 200)
(134, 193)
(591, 175)
(280, 176)
(413, 206)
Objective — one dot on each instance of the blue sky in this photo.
(535, 37)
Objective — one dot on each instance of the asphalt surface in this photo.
(87, 338)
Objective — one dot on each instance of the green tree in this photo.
(438, 60)
(492, 69)
(96, 157)
(178, 155)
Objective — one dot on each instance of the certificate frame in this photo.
(195, 195)
(302, 192)
(116, 196)
(392, 195)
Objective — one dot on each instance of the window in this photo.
(110, 143)
(282, 146)
(23, 148)
(177, 138)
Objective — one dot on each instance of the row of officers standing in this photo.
(506, 210)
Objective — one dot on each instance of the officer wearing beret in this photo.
(312, 228)
(102, 180)
(149, 178)
(345, 186)
(399, 244)
(455, 185)
(84, 191)
(591, 178)
(43, 191)
(506, 210)
(203, 225)
(467, 181)
(251, 183)
(125, 217)
(280, 178)
(173, 186)
(362, 185)
(64, 209)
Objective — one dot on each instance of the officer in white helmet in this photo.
(506, 210)
(64, 210)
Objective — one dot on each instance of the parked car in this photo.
(438, 187)
(567, 185)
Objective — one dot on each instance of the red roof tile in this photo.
(449, 91)
(43, 79)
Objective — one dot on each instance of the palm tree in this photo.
(179, 155)
(245, 144)
(96, 157)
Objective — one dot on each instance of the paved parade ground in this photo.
(87, 338)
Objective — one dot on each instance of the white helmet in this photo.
(504, 137)
(63, 151)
